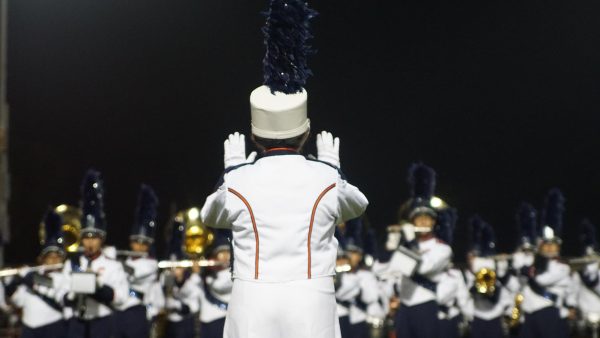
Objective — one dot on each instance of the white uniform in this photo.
(142, 278)
(188, 295)
(588, 298)
(482, 307)
(38, 312)
(435, 258)
(453, 294)
(215, 296)
(555, 280)
(282, 211)
(109, 272)
(358, 296)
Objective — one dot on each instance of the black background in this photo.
(500, 97)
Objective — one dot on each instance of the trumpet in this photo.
(38, 268)
(188, 263)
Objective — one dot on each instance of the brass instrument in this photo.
(38, 268)
(198, 237)
(71, 227)
(515, 314)
(485, 281)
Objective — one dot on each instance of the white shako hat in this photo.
(278, 116)
(278, 108)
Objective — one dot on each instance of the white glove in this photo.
(235, 150)
(501, 268)
(24, 271)
(393, 241)
(328, 149)
(408, 232)
(173, 304)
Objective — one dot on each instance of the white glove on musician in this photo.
(408, 232)
(328, 148)
(235, 151)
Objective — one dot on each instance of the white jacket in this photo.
(36, 311)
(282, 210)
(109, 272)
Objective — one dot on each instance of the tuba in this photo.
(71, 227)
(198, 238)
(485, 281)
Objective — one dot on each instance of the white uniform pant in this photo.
(296, 309)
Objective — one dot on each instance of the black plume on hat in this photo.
(526, 218)
(286, 33)
(588, 236)
(52, 233)
(144, 226)
(552, 216)
(92, 204)
(446, 224)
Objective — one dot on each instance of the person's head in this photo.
(139, 246)
(92, 244)
(549, 249)
(222, 255)
(179, 273)
(52, 257)
(355, 257)
(296, 143)
(424, 221)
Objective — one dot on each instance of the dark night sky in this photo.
(500, 97)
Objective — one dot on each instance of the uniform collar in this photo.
(279, 151)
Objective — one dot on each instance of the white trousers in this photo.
(297, 309)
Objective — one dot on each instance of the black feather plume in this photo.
(52, 227)
(526, 219)
(488, 240)
(286, 34)
(446, 224)
(588, 235)
(554, 208)
(476, 225)
(146, 212)
(353, 234)
(175, 246)
(421, 180)
(92, 203)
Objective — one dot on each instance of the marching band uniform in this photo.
(182, 300)
(418, 294)
(548, 279)
(452, 293)
(587, 279)
(283, 208)
(216, 290)
(358, 292)
(490, 305)
(42, 315)
(132, 319)
(93, 312)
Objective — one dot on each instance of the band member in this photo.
(93, 303)
(452, 292)
(283, 208)
(182, 289)
(587, 278)
(548, 278)
(132, 319)
(216, 287)
(34, 292)
(418, 292)
(524, 255)
(490, 298)
(357, 290)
